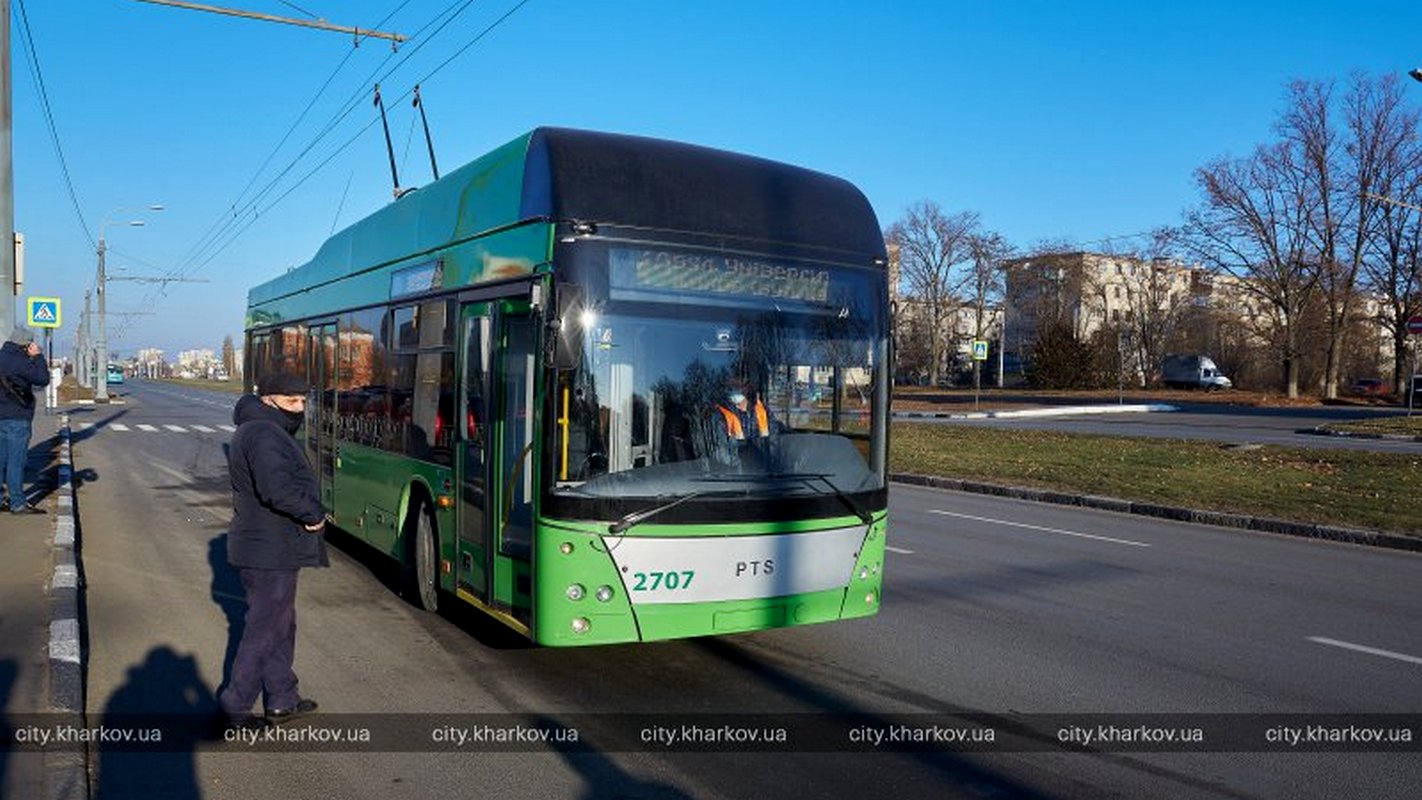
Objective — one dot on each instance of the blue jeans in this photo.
(14, 452)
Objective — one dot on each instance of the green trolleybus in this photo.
(523, 379)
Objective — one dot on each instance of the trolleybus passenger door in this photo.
(514, 459)
(321, 413)
(475, 570)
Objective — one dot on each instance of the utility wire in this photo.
(214, 230)
(32, 57)
(210, 246)
(252, 206)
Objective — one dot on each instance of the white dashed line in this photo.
(1361, 648)
(1040, 528)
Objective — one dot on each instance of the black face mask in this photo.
(293, 419)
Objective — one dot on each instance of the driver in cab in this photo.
(745, 417)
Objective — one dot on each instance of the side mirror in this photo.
(563, 331)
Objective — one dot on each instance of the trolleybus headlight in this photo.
(577, 592)
(869, 599)
(566, 548)
(604, 594)
(581, 625)
(863, 573)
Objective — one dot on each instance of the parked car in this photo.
(1367, 386)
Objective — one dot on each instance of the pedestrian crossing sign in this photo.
(43, 312)
(980, 350)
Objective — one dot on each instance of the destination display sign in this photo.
(716, 274)
(418, 279)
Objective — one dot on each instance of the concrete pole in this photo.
(84, 377)
(7, 180)
(101, 341)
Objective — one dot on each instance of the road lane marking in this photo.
(228, 428)
(148, 428)
(120, 427)
(203, 428)
(892, 549)
(1040, 528)
(176, 428)
(1365, 649)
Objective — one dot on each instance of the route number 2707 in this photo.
(652, 581)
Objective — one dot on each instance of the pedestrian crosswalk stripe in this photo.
(203, 428)
(119, 426)
(148, 428)
(228, 428)
(84, 426)
(176, 428)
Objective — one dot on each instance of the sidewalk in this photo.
(25, 571)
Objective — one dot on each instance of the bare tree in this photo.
(931, 245)
(1157, 301)
(1253, 225)
(982, 286)
(229, 356)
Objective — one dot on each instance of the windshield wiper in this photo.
(859, 511)
(638, 517)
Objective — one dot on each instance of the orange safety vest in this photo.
(733, 421)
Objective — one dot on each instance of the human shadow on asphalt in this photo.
(8, 672)
(604, 778)
(41, 476)
(230, 596)
(77, 436)
(164, 693)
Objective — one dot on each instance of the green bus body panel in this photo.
(440, 219)
(588, 565)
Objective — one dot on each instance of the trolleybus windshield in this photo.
(669, 335)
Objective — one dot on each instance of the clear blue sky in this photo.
(1052, 119)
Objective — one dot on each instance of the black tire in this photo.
(422, 565)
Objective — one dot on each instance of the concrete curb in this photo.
(1331, 533)
(1021, 413)
(1392, 437)
(66, 773)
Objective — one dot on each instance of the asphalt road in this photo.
(1218, 423)
(991, 606)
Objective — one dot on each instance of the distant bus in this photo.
(115, 374)
(519, 388)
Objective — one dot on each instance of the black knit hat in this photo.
(285, 383)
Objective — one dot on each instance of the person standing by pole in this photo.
(276, 529)
(22, 368)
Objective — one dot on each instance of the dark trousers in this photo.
(268, 647)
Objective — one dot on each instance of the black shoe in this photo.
(243, 722)
(29, 509)
(301, 709)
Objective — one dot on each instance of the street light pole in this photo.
(101, 341)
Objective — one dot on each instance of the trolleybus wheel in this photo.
(422, 568)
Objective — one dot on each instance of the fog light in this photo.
(581, 625)
(576, 592)
(869, 599)
(566, 548)
(604, 594)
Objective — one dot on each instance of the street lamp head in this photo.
(1416, 74)
(156, 207)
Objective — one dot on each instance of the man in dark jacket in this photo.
(22, 368)
(275, 531)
